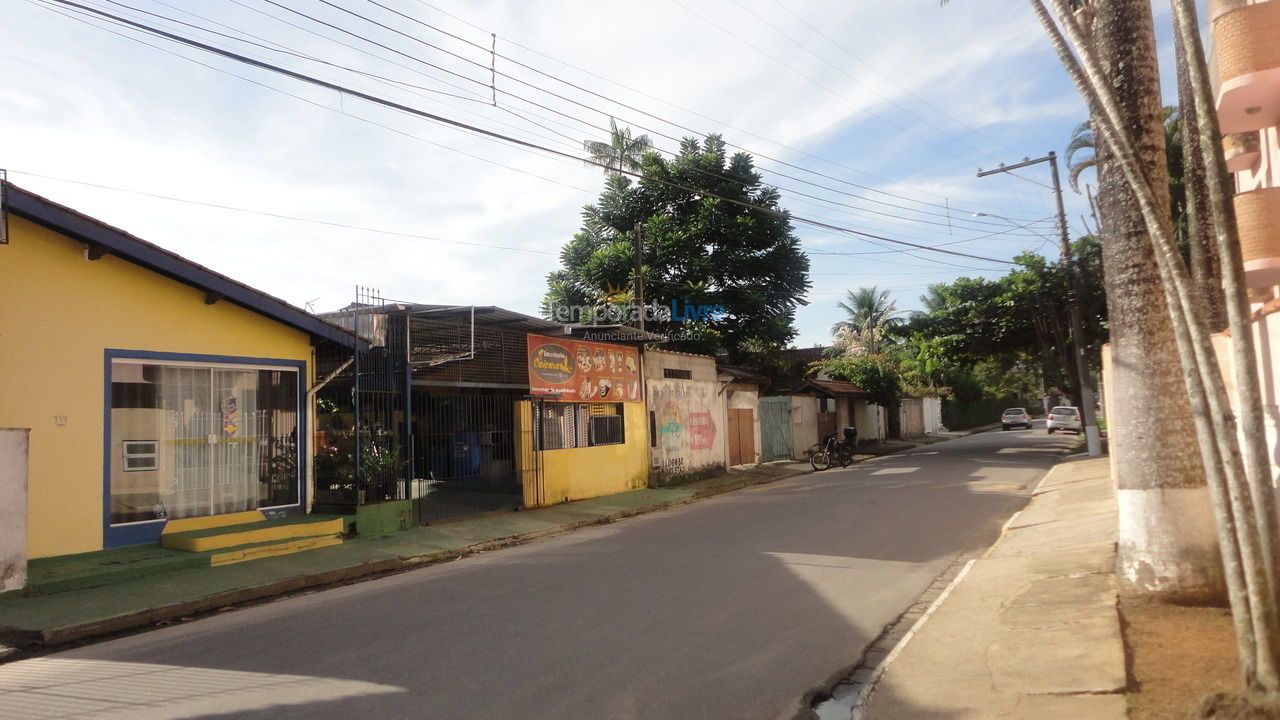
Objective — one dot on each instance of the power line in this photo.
(279, 216)
(475, 97)
(862, 61)
(755, 153)
(805, 46)
(593, 109)
(806, 76)
(367, 121)
(695, 113)
(348, 32)
(495, 135)
(400, 132)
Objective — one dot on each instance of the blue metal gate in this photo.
(775, 428)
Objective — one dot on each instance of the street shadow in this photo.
(737, 607)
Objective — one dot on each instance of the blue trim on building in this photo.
(141, 533)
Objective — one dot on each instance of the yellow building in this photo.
(154, 389)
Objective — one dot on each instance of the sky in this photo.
(880, 113)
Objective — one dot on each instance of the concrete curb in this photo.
(861, 704)
(43, 639)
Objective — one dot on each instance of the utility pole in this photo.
(1087, 415)
(638, 244)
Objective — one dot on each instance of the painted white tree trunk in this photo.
(1167, 543)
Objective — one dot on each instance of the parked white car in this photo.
(1015, 416)
(1064, 417)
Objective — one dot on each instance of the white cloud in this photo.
(90, 106)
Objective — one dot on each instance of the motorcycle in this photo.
(834, 452)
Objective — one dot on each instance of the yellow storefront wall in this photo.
(60, 312)
(580, 473)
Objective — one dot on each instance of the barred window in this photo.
(606, 424)
(557, 427)
(574, 425)
(677, 373)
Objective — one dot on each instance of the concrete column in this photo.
(13, 508)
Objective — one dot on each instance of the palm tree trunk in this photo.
(1206, 270)
(1239, 538)
(1215, 190)
(1167, 546)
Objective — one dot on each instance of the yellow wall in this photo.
(58, 312)
(580, 473)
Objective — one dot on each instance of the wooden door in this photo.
(742, 441)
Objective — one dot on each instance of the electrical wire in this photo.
(721, 123)
(495, 135)
(278, 216)
(504, 92)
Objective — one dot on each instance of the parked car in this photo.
(1015, 416)
(1064, 417)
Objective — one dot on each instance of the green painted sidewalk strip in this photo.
(143, 598)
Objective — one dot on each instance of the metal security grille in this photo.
(465, 454)
(362, 443)
(451, 346)
(577, 425)
(427, 412)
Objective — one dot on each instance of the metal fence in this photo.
(427, 412)
(466, 454)
(363, 448)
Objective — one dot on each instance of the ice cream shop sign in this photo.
(579, 371)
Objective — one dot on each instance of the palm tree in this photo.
(870, 314)
(1081, 153)
(621, 153)
(1111, 59)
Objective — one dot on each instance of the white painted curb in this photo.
(859, 711)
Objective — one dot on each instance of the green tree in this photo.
(870, 315)
(622, 152)
(714, 238)
(1016, 324)
(880, 376)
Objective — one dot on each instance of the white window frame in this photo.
(128, 455)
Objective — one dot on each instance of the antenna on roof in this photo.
(4, 208)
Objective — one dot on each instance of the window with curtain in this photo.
(191, 440)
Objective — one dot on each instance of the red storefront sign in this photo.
(580, 371)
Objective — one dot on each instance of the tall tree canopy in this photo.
(714, 236)
(1015, 322)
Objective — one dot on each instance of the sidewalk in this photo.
(145, 599)
(1031, 630)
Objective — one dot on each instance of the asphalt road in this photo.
(732, 607)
